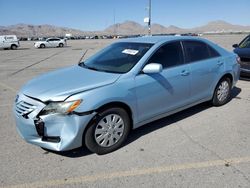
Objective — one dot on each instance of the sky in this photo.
(93, 15)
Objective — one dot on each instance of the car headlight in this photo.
(60, 107)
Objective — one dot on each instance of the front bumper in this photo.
(245, 68)
(55, 132)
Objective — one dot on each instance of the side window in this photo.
(168, 55)
(213, 52)
(245, 43)
(195, 51)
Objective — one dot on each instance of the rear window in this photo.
(197, 51)
(213, 52)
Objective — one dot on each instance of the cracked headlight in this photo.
(60, 107)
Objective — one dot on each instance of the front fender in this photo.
(122, 92)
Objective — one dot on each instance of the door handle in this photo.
(219, 63)
(185, 73)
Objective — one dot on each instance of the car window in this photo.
(56, 39)
(212, 52)
(117, 58)
(196, 51)
(168, 55)
(245, 43)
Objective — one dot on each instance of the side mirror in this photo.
(152, 68)
(236, 45)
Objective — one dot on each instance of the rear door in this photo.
(56, 42)
(165, 91)
(205, 64)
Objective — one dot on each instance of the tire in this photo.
(102, 137)
(13, 47)
(61, 45)
(42, 45)
(222, 92)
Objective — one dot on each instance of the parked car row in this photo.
(242, 49)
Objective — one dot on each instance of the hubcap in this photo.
(109, 130)
(223, 91)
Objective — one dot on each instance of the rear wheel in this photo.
(108, 132)
(222, 92)
(13, 47)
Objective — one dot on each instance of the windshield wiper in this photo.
(82, 64)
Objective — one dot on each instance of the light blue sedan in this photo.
(124, 86)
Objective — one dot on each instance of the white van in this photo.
(9, 41)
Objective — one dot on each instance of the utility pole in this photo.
(114, 23)
(149, 18)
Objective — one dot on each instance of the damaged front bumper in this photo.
(54, 131)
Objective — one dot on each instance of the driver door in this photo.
(166, 91)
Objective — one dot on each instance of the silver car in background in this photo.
(50, 43)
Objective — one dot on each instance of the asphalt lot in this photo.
(203, 146)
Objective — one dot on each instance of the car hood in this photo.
(60, 84)
(242, 52)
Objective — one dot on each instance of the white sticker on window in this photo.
(130, 51)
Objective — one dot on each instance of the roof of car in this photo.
(156, 39)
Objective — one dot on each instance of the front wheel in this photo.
(108, 131)
(222, 92)
(61, 45)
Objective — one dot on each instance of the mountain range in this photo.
(125, 28)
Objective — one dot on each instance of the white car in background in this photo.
(50, 43)
(9, 42)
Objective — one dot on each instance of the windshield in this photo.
(245, 43)
(117, 58)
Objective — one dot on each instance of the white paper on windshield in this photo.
(130, 51)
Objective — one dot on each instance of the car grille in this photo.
(245, 59)
(245, 65)
(24, 108)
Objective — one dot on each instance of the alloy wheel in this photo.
(223, 91)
